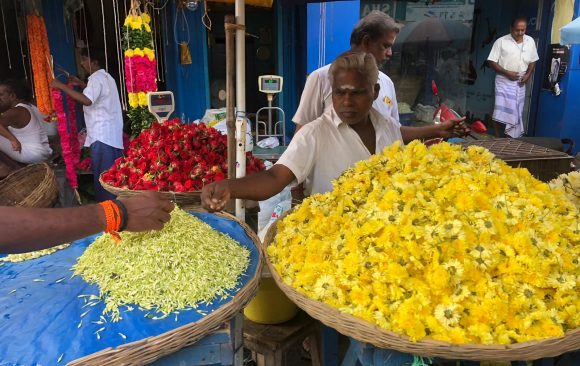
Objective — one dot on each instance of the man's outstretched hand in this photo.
(453, 128)
(147, 211)
(215, 196)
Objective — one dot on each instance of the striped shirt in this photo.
(103, 118)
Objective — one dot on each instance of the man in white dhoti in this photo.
(513, 57)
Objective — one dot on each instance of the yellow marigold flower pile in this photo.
(438, 243)
(570, 185)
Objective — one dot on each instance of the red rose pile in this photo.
(175, 157)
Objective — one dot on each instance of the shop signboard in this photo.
(557, 59)
(411, 11)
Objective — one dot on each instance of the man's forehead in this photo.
(346, 79)
(345, 87)
(388, 36)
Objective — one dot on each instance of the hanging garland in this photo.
(39, 57)
(140, 68)
(67, 130)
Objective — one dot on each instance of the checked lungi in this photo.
(509, 105)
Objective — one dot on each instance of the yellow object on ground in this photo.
(270, 306)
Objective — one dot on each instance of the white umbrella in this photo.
(433, 29)
(570, 33)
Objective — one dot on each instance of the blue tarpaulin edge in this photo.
(40, 307)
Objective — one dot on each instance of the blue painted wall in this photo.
(189, 83)
(60, 35)
(559, 116)
(340, 18)
(291, 59)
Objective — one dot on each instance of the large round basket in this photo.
(184, 200)
(367, 332)
(31, 186)
(150, 349)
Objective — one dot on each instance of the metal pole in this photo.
(230, 94)
(270, 98)
(241, 125)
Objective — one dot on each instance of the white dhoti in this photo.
(509, 105)
(30, 154)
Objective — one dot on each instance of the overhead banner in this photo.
(407, 11)
(258, 3)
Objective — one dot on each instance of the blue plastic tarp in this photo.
(570, 33)
(39, 317)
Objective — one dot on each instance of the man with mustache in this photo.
(375, 34)
(349, 131)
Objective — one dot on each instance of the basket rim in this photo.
(367, 332)
(149, 349)
(117, 190)
(36, 166)
(42, 193)
(534, 152)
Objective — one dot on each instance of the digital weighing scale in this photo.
(161, 104)
(270, 85)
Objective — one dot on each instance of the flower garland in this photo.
(73, 129)
(39, 58)
(67, 131)
(438, 243)
(140, 69)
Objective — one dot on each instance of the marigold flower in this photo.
(440, 239)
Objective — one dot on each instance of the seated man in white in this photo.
(23, 139)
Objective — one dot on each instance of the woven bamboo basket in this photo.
(32, 186)
(184, 200)
(150, 349)
(543, 163)
(364, 331)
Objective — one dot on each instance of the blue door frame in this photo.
(558, 115)
(544, 43)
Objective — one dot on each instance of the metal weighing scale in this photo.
(270, 85)
(161, 104)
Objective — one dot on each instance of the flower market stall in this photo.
(437, 252)
(173, 158)
(131, 302)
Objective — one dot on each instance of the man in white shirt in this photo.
(317, 94)
(374, 34)
(349, 131)
(513, 57)
(103, 117)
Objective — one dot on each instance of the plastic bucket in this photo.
(270, 306)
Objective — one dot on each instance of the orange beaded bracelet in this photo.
(112, 216)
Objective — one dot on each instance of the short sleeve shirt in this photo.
(513, 56)
(323, 149)
(316, 98)
(104, 118)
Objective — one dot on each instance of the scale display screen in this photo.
(161, 104)
(270, 84)
(161, 100)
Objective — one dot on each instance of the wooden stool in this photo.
(222, 347)
(271, 342)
